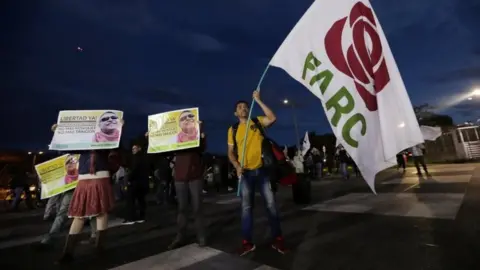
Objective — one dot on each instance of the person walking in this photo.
(52, 207)
(188, 177)
(119, 183)
(163, 178)
(343, 159)
(137, 187)
(318, 160)
(59, 222)
(252, 173)
(19, 185)
(93, 197)
(418, 158)
(401, 161)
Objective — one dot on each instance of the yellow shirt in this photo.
(253, 151)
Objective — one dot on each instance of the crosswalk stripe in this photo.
(233, 200)
(449, 168)
(427, 205)
(265, 267)
(193, 257)
(174, 259)
(464, 178)
(29, 240)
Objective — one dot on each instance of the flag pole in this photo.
(242, 162)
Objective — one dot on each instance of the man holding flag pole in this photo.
(250, 170)
(339, 52)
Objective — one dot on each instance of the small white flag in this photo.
(339, 52)
(431, 133)
(305, 144)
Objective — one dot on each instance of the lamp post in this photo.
(474, 93)
(34, 158)
(288, 103)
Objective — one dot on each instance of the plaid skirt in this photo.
(92, 197)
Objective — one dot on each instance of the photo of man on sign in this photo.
(188, 127)
(71, 169)
(108, 128)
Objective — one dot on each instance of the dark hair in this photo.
(109, 112)
(240, 102)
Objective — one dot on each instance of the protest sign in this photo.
(87, 130)
(58, 175)
(174, 130)
(339, 52)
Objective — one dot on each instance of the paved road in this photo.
(412, 223)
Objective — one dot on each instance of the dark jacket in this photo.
(19, 180)
(139, 170)
(188, 163)
(343, 156)
(100, 162)
(163, 167)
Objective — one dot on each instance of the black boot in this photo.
(67, 255)
(99, 240)
(177, 242)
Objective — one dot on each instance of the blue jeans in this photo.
(250, 180)
(61, 217)
(63, 202)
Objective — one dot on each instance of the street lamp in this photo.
(287, 102)
(34, 159)
(475, 93)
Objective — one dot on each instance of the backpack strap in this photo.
(259, 126)
(235, 128)
(234, 137)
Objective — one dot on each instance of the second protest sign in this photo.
(174, 130)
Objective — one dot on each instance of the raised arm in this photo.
(270, 117)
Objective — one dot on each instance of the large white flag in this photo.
(339, 52)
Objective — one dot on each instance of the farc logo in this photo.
(366, 67)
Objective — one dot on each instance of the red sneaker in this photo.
(247, 247)
(279, 245)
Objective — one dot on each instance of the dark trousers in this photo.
(136, 195)
(400, 162)
(18, 197)
(171, 192)
(420, 160)
(194, 188)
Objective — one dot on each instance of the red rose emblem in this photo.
(366, 67)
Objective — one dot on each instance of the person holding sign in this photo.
(252, 173)
(188, 178)
(93, 197)
(188, 127)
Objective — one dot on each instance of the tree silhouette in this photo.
(426, 116)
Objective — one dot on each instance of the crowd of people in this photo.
(179, 179)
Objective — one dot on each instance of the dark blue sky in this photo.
(145, 57)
